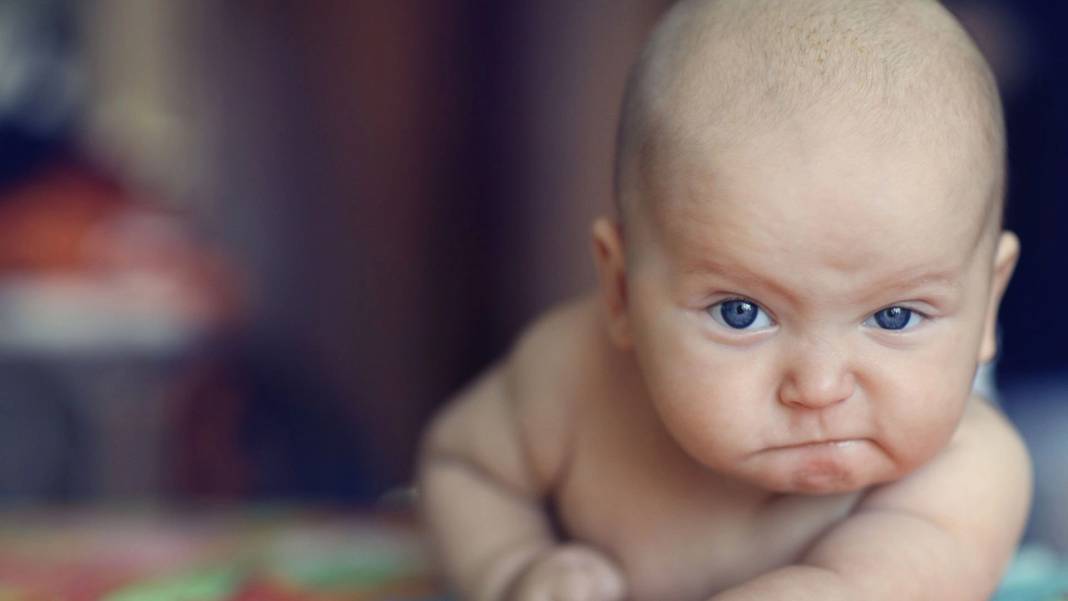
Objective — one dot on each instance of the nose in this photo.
(817, 378)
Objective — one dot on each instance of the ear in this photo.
(1008, 252)
(609, 255)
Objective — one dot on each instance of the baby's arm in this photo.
(944, 533)
(488, 463)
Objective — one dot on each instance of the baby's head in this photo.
(808, 257)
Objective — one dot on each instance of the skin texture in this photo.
(635, 446)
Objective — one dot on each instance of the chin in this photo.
(811, 483)
(822, 469)
(819, 478)
(827, 483)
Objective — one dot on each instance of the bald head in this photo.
(716, 72)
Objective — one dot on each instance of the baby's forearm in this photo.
(809, 582)
(485, 534)
(793, 583)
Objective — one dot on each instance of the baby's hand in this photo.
(571, 573)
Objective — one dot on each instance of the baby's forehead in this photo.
(828, 259)
(829, 196)
(717, 74)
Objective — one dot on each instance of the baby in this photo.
(771, 395)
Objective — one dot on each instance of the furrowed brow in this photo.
(935, 282)
(737, 272)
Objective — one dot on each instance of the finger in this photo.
(575, 584)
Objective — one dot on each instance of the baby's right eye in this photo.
(740, 314)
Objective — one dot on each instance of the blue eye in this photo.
(740, 314)
(894, 318)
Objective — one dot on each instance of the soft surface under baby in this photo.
(769, 396)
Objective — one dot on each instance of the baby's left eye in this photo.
(894, 318)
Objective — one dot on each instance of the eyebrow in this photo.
(932, 279)
(739, 273)
(941, 281)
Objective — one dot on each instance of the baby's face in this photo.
(808, 307)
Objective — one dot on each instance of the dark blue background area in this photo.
(1034, 323)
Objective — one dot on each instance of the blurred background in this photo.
(247, 248)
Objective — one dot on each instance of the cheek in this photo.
(712, 400)
(918, 400)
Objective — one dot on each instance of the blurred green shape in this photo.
(211, 584)
(341, 573)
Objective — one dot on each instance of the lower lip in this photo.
(822, 467)
(828, 444)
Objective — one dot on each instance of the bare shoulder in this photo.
(550, 370)
(951, 527)
(550, 360)
(978, 490)
(514, 419)
(985, 460)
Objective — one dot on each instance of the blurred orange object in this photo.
(73, 234)
(44, 223)
(106, 297)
